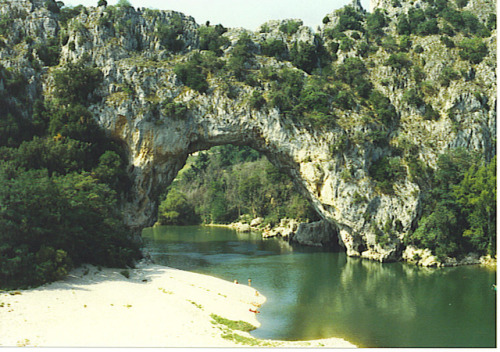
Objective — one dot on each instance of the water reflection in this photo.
(314, 294)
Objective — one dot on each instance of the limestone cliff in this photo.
(330, 164)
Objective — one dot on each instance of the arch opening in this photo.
(234, 183)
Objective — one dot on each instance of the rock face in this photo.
(319, 234)
(329, 166)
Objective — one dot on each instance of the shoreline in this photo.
(149, 306)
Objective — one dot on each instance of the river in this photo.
(313, 293)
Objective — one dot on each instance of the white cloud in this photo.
(241, 13)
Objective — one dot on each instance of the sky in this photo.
(249, 14)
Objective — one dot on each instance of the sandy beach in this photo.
(155, 306)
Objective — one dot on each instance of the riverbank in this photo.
(150, 306)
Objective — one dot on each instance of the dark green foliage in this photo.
(14, 128)
(447, 75)
(192, 73)
(398, 61)
(491, 23)
(430, 113)
(242, 57)
(346, 44)
(382, 106)
(375, 22)
(52, 6)
(211, 38)
(419, 49)
(465, 21)
(447, 42)
(428, 27)
(352, 72)
(257, 100)
(5, 24)
(123, 3)
(67, 13)
(102, 3)
(349, 18)
(403, 26)
(413, 97)
(170, 33)
(459, 211)
(304, 56)
(75, 83)
(290, 27)
(175, 210)
(286, 90)
(274, 48)
(387, 171)
(473, 49)
(405, 43)
(177, 110)
(476, 195)
(50, 223)
(232, 181)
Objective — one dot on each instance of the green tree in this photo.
(75, 83)
(476, 194)
(473, 50)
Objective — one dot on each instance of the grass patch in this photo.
(199, 306)
(233, 324)
(165, 291)
(248, 341)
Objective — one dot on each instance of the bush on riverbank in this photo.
(60, 184)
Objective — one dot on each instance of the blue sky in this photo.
(241, 13)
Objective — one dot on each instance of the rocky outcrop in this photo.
(330, 166)
(318, 234)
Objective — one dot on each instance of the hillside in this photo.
(376, 117)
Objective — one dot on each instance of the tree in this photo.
(102, 3)
(75, 83)
(473, 49)
(476, 194)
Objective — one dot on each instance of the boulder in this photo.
(317, 234)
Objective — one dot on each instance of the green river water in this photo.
(313, 293)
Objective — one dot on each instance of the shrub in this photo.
(349, 19)
(447, 42)
(304, 56)
(346, 44)
(169, 33)
(75, 83)
(290, 27)
(49, 51)
(428, 27)
(176, 110)
(398, 61)
(192, 74)
(274, 48)
(386, 171)
(447, 75)
(257, 100)
(413, 97)
(241, 57)
(72, 219)
(211, 38)
(375, 22)
(473, 50)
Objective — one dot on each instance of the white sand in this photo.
(156, 306)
